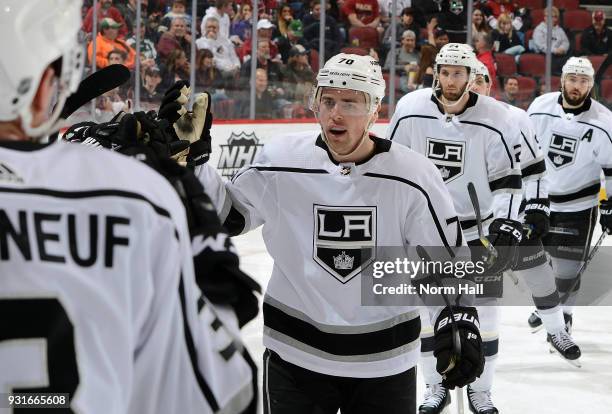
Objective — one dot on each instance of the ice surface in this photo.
(528, 378)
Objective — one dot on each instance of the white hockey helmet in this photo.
(578, 66)
(481, 70)
(457, 54)
(36, 34)
(353, 72)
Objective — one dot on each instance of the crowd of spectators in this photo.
(288, 45)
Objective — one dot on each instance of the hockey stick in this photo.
(485, 242)
(456, 338)
(563, 230)
(583, 268)
(91, 87)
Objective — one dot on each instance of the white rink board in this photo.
(529, 380)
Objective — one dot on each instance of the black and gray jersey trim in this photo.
(432, 211)
(468, 224)
(342, 344)
(528, 146)
(508, 182)
(72, 195)
(591, 190)
(510, 157)
(281, 169)
(607, 172)
(537, 168)
(407, 117)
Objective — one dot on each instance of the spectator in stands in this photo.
(226, 60)
(440, 38)
(363, 13)
(264, 102)
(241, 25)
(505, 38)
(298, 76)
(208, 77)
(479, 22)
(175, 38)
(482, 45)
(116, 57)
(560, 43)
(105, 10)
(453, 19)
(221, 11)
(432, 27)
(128, 11)
(175, 68)
(406, 23)
(407, 62)
(295, 36)
(333, 37)
(107, 41)
(178, 10)
(385, 7)
(426, 67)
(147, 47)
(499, 7)
(264, 31)
(149, 92)
(511, 90)
(264, 61)
(283, 20)
(597, 39)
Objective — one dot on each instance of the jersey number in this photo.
(347, 61)
(37, 340)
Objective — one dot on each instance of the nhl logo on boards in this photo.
(239, 151)
(562, 151)
(344, 239)
(448, 156)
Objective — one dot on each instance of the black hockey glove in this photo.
(605, 215)
(192, 126)
(537, 217)
(215, 259)
(505, 235)
(458, 370)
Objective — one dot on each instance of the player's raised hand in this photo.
(462, 366)
(537, 217)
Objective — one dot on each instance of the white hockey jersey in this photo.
(533, 166)
(480, 145)
(318, 220)
(97, 290)
(577, 146)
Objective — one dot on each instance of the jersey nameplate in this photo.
(448, 156)
(562, 150)
(344, 239)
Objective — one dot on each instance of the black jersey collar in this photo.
(471, 102)
(380, 145)
(576, 111)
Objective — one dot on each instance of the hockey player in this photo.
(97, 291)
(532, 263)
(325, 198)
(574, 131)
(470, 139)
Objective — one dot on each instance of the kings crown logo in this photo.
(239, 151)
(445, 172)
(558, 160)
(343, 261)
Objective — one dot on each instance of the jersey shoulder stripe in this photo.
(510, 157)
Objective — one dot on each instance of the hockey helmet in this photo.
(481, 70)
(352, 72)
(578, 66)
(36, 34)
(456, 54)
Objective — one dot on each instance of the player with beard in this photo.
(470, 138)
(532, 263)
(574, 131)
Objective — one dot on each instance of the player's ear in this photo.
(42, 99)
(375, 114)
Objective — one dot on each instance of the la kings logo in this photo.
(562, 151)
(448, 156)
(344, 239)
(240, 150)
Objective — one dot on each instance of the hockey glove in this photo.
(505, 235)
(537, 217)
(215, 259)
(605, 215)
(193, 126)
(458, 370)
